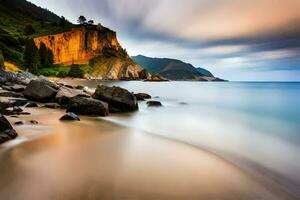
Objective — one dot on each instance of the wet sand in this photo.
(96, 159)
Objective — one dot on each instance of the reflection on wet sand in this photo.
(95, 159)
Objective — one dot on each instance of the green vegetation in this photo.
(22, 20)
(32, 60)
(65, 71)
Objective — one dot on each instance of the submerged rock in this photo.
(70, 117)
(142, 96)
(33, 122)
(19, 123)
(154, 104)
(6, 130)
(41, 90)
(87, 106)
(119, 99)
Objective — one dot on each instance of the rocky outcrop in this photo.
(119, 99)
(6, 130)
(154, 104)
(87, 106)
(94, 45)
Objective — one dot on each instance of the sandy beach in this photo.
(96, 159)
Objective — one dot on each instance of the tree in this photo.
(50, 57)
(28, 29)
(90, 22)
(43, 55)
(81, 20)
(76, 72)
(31, 56)
(62, 21)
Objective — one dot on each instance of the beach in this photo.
(96, 159)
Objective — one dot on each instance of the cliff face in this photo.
(99, 44)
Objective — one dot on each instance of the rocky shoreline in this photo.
(18, 91)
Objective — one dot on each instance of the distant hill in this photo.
(173, 69)
(15, 16)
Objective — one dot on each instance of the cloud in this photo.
(221, 34)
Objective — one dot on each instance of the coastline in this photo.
(114, 162)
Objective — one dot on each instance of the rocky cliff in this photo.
(94, 45)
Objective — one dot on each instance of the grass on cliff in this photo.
(63, 71)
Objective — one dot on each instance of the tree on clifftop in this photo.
(81, 20)
(31, 56)
(90, 22)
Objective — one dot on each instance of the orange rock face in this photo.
(79, 45)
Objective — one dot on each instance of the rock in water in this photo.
(87, 106)
(40, 90)
(118, 99)
(70, 117)
(6, 130)
(142, 96)
(154, 104)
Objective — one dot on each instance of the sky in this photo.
(235, 39)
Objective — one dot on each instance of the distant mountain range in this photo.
(174, 69)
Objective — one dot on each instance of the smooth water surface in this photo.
(255, 125)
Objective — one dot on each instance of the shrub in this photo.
(76, 72)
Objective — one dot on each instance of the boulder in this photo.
(87, 106)
(70, 117)
(40, 90)
(118, 99)
(6, 130)
(154, 104)
(142, 96)
(65, 93)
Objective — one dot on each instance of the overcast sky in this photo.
(235, 39)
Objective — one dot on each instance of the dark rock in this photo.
(17, 109)
(79, 87)
(17, 88)
(52, 105)
(7, 103)
(25, 113)
(142, 96)
(144, 74)
(31, 104)
(14, 116)
(19, 123)
(64, 94)
(154, 104)
(40, 90)
(33, 122)
(6, 130)
(11, 94)
(69, 86)
(119, 99)
(70, 117)
(87, 106)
